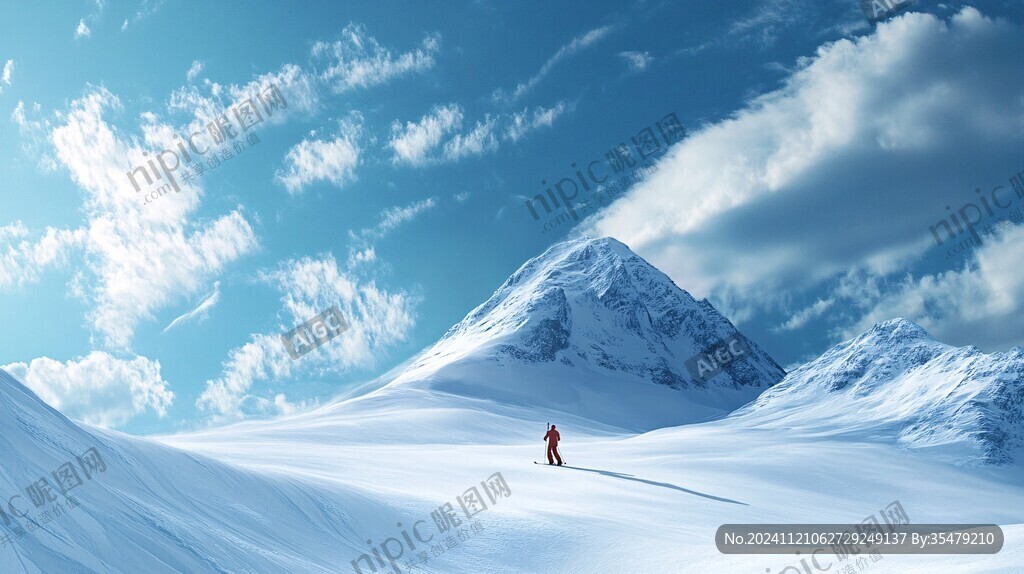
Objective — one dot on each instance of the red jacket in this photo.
(552, 437)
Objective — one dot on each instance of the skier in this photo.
(552, 437)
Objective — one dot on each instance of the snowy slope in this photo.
(895, 383)
(154, 509)
(591, 329)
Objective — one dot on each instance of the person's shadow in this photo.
(653, 483)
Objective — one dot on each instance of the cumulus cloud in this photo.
(333, 160)
(97, 389)
(843, 168)
(358, 60)
(378, 319)
(574, 46)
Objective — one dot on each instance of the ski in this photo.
(546, 464)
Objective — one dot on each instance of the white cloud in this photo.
(413, 143)
(124, 26)
(575, 45)
(362, 250)
(976, 304)
(844, 167)
(23, 263)
(477, 142)
(194, 70)
(201, 311)
(210, 99)
(333, 160)
(35, 134)
(462, 196)
(127, 239)
(82, 31)
(392, 217)
(437, 136)
(522, 123)
(637, 61)
(98, 389)
(768, 20)
(378, 319)
(13, 231)
(801, 318)
(5, 76)
(357, 60)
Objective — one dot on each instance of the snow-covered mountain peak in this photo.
(589, 316)
(894, 382)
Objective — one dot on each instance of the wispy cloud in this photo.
(378, 320)
(201, 311)
(194, 70)
(392, 217)
(22, 263)
(413, 142)
(637, 61)
(522, 123)
(5, 76)
(477, 141)
(768, 20)
(82, 31)
(802, 317)
(575, 45)
(437, 137)
(357, 60)
(363, 251)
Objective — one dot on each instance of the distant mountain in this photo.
(591, 329)
(896, 383)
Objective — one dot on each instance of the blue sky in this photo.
(820, 152)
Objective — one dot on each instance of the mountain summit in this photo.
(895, 383)
(591, 329)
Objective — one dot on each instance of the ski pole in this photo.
(546, 444)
